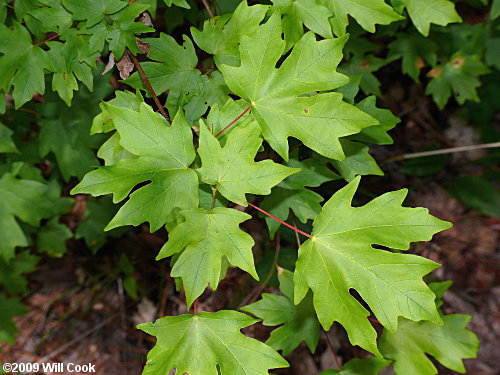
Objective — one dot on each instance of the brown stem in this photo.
(332, 349)
(441, 152)
(207, 7)
(47, 40)
(146, 83)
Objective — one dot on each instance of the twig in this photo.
(295, 225)
(232, 122)
(440, 152)
(146, 83)
(280, 221)
(332, 349)
(207, 7)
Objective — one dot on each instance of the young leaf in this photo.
(208, 344)
(164, 155)
(204, 239)
(299, 322)
(24, 199)
(300, 13)
(448, 344)
(22, 64)
(357, 366)
(425, 12)
(277, 96)
(340, 256)
(232, 168)
(221, 35)
(367, 13)
(459, 76)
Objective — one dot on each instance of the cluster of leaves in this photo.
(296, 74)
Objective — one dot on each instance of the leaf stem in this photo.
(232, 122)
(280, 221)
(441, 152)
(146, 83)
(207, 7)
(332, 349)
(47, 40)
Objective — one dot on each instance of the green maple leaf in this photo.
(448, 344)
(298, 322)
(11, 273)
(358, 161)
(6, 142)
(300, 13)
(179, 3)
(221, 35)
(376, 134)
(340, 256)
(98, 214)
(425, 12)
(22, 64)
(232, 170)
(11, 307)
(208, 344)
(277, 96)
(460, 76)
(71, 145)
(414, 50)
(163, 157)
(52, 238)
(204, 239)
(174, 69)
(26, 200)
(367, 13)
(292, 193)
(358, 366)
(93, 11)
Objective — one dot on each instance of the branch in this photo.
(232, 122)
(146, 83)
(280, 221)
(441, 152)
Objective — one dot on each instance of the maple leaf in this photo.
(367, 13)
(11, 272)
(26, 200)
(300, 13)
(425, 12)
(299, 322)
(22, 64)
(163, 157)
(11, 307)
(204, 239)
(459, 76)
(6, 142)
(340, 256)
(357, 366)
(448, 344)
(277, 96)
(179, 3)
(232, 168)
(292, 193)
(52, 238)
(221, 35)
(358, 161)
(208, 344)
(93, 11)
